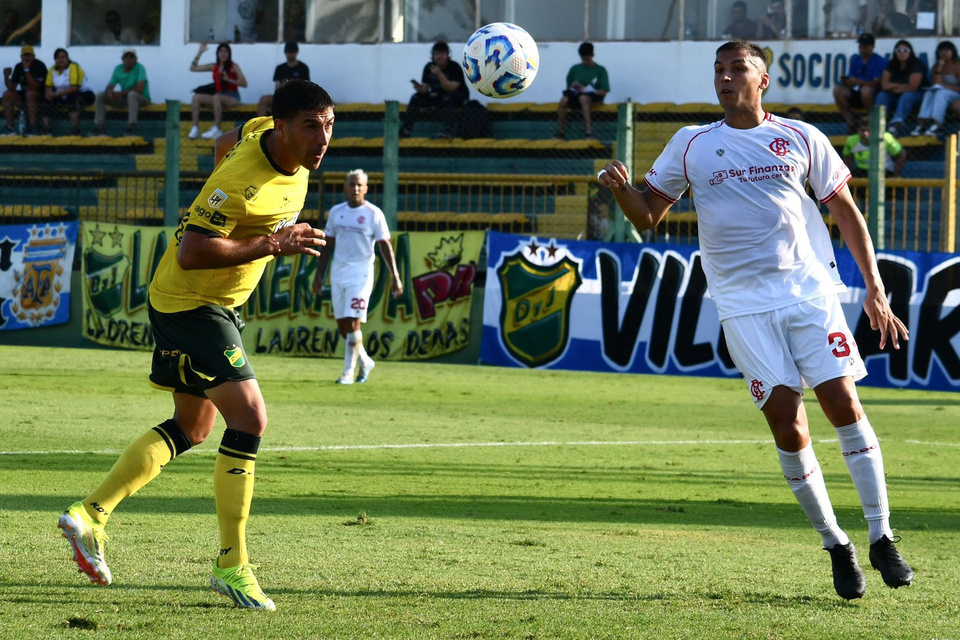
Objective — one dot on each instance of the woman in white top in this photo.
(67, 88)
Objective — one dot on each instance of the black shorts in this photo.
(197, 350)
(856, 99)
(573, 98)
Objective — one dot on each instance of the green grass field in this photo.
(445, 501)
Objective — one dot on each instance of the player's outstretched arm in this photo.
(644, 209)
(853, 228)
(199, 250)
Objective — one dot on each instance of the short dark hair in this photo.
(946, 44)
(739, 4)
(296, 96)
(291, 47)
(867, 39)
(441, 46)
(743, 45)
(585, 49)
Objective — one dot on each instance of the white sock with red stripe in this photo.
(861, 452)
(802, 472)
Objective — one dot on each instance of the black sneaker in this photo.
(848, 579)
(885, 558)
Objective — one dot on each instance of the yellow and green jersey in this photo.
(247, 195)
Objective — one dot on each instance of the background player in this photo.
(353, 227)
(246, 214)
(770, 269)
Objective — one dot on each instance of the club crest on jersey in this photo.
(360, 219)
(780, 147)
(216, 199)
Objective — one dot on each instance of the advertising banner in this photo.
(644, 308)
(283, 315)
(36, 263)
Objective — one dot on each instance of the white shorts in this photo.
(799, 346)
(350, 300)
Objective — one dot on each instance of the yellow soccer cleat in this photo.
(240, 585)
(87, 538)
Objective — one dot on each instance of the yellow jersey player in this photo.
(245, 215)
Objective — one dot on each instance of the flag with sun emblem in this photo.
(36, 262)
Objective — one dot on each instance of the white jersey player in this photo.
(771, 272)
(354, 227)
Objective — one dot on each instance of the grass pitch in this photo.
(444, 501)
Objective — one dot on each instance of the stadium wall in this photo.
(802, 71)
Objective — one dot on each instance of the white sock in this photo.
(364, 357)
(351, 353)
(802, 472)
(861, 452)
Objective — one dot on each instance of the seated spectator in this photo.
(442, 88)
(148, 32)
(773, 24)
(116, 33)
(24, 86)
(890, 22)
(289, 70)
(740, 28)
(222, 92)
(128, 87)
(944, 89)
(901, 86)
(11, 22)
(856, 152)
(587, 85)
(859, 87)
(67, 88)
(844, 17)
(796, 113)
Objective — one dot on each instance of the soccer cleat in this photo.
(194, 132)
(365, 369)
(848, 578)
(346, 378)
(885, 558)
(240, 585)
(87, 538)
(212, 133)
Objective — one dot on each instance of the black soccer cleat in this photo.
(885, 558)
(848, 579)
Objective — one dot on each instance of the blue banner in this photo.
(644, 308)
(36, 262)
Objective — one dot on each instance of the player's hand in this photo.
(300, 238)
(318, 286)
(882, 319)
(615, 175)
(397, 288)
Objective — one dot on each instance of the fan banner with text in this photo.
(36, 263)
(284, 316)
(644, 308)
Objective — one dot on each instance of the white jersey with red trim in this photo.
(763, 243)
(356, 229)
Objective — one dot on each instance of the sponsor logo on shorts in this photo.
(235, 356)
(216, 199)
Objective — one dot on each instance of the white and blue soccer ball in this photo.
(500, 60)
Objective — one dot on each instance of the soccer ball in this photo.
(500, 60)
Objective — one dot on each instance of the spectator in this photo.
(945, 78)
(856, 152)
(796, 113)
(224, 91)
(587, 84)
(858, 89)
(11, 22)
(292, 69)
(116, 33)
(741, 28)
(890, 22)
(148, 32)
(67, 88)
(773, 24)
(24, 86)
(128, 87)
(844, 17)
(442, 88)
(294, 21)
(27, 34)
(901, 86)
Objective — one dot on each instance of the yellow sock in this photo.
(233, 489)
(138, 464)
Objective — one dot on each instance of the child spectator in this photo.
(587, 84)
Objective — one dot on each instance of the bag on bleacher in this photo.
(474, 121)
(206, 89)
